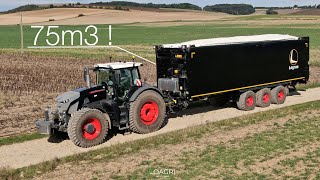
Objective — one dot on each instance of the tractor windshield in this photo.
(104, 76)
(125, 79)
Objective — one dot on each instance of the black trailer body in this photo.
(210, 67)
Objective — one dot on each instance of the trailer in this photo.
(247, 70)
(224, 68)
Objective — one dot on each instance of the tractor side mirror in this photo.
(86, 76)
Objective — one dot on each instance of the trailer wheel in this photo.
(247, 101)
(279, 95)
(147, 112)
(263, 97)
(88, 127)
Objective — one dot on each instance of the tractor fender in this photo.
(102, 106)
(143, 88)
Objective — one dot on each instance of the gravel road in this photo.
(36, 151)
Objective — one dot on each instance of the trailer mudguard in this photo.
(143, 88)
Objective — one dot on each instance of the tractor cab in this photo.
(119, 77)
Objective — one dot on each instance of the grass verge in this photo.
(303, 87)
(20, 138)
(191, 134)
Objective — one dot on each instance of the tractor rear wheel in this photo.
(147, 112)
(247, 101)
(88, 127)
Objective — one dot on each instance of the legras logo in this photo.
(163, 172)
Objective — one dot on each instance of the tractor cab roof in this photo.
(118, 65)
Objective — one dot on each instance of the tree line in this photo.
(235, 9)
(149, 5)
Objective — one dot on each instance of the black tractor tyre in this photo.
(263, 97)
(247, 101)
(88, 127)
(147, 113)
(279, 95)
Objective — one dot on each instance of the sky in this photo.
(10, 4)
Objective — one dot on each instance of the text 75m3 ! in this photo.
(53, 38)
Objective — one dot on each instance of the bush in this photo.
(80, 15)
(51, 19)
(235, 9)
(271, 11)
(118, 8)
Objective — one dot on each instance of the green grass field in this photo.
(140, 39)
(142, 35)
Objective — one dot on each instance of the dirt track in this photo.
(36, 151)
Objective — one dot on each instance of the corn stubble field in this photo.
(30, 83)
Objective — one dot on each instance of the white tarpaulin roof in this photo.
(233, 40)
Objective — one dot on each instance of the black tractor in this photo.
(118, 100)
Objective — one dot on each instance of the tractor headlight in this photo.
(65, 101)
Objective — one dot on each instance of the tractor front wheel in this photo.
(88, 127)
(147, 112)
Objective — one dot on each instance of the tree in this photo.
(51, 6)
(78, 3)
(147, 5)
(235, 9)
(295, 6)
(271, 11)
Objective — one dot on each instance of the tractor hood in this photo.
(70, 95)
(64, 101)
(67, 97)
(68, 102)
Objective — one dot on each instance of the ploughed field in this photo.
(29, 83)
(70, 16)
